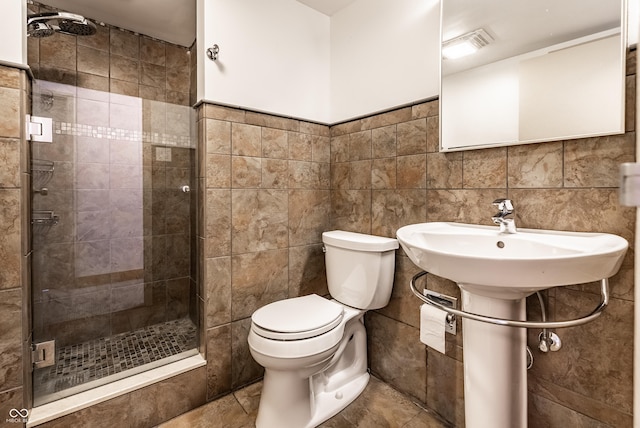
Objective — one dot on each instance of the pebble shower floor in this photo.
(96, 359)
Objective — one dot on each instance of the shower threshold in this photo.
(91, 364)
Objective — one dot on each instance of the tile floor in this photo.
(378, 406)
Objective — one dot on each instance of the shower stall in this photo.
(113, 211)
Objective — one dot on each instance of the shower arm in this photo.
(604, 291)
(48, 16)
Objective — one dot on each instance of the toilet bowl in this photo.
(313, 349)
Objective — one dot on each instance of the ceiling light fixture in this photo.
(465, 44)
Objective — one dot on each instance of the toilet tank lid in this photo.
(358, 241)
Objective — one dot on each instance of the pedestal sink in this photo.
(496, 272)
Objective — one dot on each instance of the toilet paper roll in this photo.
(432, 325)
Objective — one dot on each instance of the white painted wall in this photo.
(285, 58)
(383, 54)
(274, 57)
(13, 33)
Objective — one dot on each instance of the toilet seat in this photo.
(312, 325)
(297, 318)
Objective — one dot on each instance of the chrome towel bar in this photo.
(604, 290)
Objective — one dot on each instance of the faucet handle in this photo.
(504, 205)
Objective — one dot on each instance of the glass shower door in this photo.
(112, 222)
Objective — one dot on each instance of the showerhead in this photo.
(77, 28)
(39, 29)
(45, 24)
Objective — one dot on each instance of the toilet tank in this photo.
(359, 268)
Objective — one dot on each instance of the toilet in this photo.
(314, 350)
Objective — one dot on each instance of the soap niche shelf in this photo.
(44, 218)
(42, 172)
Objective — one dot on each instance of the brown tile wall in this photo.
(14, 240)
(269, 186)
(386, 172)
(265, 201)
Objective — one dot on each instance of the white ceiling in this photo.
(169, 20)
(328, 7)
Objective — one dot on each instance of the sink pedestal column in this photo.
(495, 364)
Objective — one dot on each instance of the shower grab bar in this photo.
(604, 290)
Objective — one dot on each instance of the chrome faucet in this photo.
(505, 207)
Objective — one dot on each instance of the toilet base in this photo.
(301, 399)
(301, 410)
(329, 404)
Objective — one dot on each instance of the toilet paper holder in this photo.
(448, 301)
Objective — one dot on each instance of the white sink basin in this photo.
(487, 262)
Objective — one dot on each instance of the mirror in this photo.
(542, 71)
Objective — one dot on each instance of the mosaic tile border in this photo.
(109, 133)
